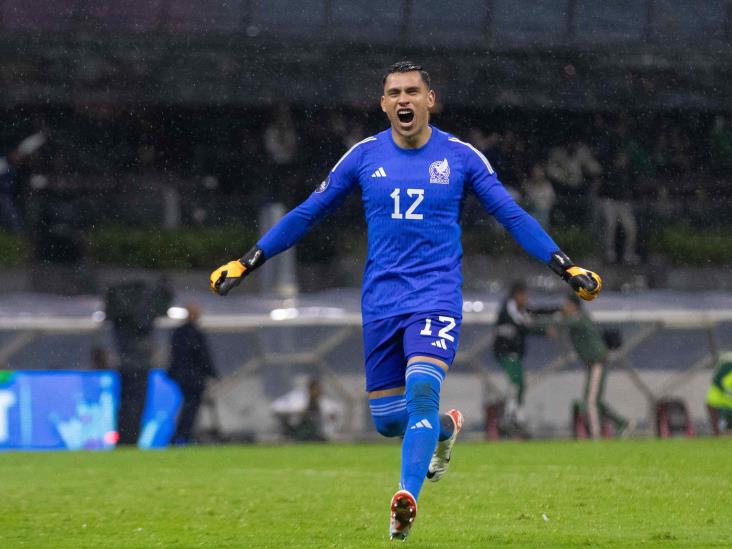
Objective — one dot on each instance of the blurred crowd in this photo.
(618, 165)
(172, 167)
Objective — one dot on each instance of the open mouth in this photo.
(405, 115)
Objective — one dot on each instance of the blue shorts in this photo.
(390, 342)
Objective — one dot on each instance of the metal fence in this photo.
(666, 352)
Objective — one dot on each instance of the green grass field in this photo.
(673, 493)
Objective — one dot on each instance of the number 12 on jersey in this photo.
(409, 214)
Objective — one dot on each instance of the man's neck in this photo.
(413, 142)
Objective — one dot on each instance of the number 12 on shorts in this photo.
(443, 332)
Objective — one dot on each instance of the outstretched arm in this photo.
(286, 233)
(530, 235)
(293, 226)
(524, 229)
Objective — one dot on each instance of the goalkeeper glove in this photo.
(586, 284)
(228, 276)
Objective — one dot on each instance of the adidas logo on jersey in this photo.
(440, 343)
(422, 424)
(379, 173)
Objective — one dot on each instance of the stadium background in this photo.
(157, 163)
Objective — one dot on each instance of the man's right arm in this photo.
(293, 226)
(285, 233)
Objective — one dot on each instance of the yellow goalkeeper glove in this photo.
(585, 283)
(227, 277)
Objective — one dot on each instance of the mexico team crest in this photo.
(440, 172)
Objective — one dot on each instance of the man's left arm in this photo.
(525, 230)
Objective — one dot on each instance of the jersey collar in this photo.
(418, 149)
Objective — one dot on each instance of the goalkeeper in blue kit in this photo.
(413, 178)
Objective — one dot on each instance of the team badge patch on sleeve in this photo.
(440, 172)
(324, 185)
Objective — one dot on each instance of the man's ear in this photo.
(383, 98)
(431, 99)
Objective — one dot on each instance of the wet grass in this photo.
(538, 494)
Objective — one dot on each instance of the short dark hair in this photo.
(408, 66)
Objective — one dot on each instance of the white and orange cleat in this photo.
(441, 458)
(403, 513)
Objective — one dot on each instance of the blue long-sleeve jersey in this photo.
(412, 200)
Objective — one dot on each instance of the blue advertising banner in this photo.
(54, 410)
(77, 410)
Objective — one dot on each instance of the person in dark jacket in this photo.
(190, 367)
(132, 307)
(515, 321)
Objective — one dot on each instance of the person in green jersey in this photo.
(593, 352)
(719, 396)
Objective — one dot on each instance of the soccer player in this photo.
(412, 178)
(719, 396)
(592, 350)
(516, 320)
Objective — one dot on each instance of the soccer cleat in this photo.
(441, 458)
(403, 512)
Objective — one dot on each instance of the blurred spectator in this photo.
(305, 414)
(355, 134)
(349, 132)
(627, 167)
(661, 153)
(10, 217)
(616, 200)
(672, 154)
(60, 224)
(573, 169)
(719, 396)
(132, 308)
(505, 153)
(539, 195)
(281, 147)
(508, 159)
(681, 155)
(190, 367)
(515, 322)
(721, 144)
(591, 349)
(280, 138)
(572, 166)
(488, 145)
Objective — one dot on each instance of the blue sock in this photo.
(389, 415)
(423, 402)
